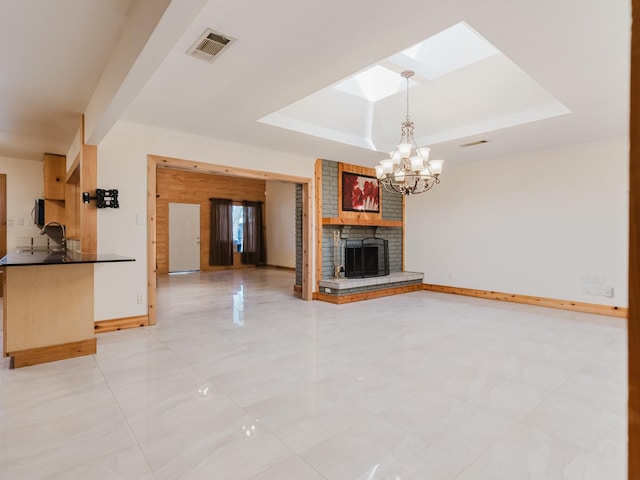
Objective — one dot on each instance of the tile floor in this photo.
(240, 380)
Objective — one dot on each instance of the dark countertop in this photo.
(26, 258)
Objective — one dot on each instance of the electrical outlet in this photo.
(607, 291)
(139, 299)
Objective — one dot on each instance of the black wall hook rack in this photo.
(103, 198)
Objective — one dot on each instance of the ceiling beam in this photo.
(153, 29)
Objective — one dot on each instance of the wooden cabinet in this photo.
(54, 169)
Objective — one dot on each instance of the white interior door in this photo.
(184, 237)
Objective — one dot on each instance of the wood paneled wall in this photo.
(180, 186)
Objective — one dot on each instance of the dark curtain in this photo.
(254, 246)
(221, 242)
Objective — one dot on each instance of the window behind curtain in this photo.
(221, 243)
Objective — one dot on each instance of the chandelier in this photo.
(408, 170)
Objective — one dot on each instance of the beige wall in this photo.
(534, 224)
(280, 222)
(122, 164)
(24, 185)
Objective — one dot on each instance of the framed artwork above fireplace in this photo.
(359, 196)
(360, 193)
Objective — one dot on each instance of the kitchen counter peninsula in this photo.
(48, 305)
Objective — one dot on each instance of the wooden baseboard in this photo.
(102, 326)
(583, 307)
(359, 297)
(280, 267)
(35, 356)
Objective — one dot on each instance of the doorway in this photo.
(184, 237)
(155, 162)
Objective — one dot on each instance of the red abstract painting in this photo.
(360, 193)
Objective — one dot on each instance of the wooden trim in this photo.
(404, 229)
(281, 267)
(35, 356)
(88, 233)
(360, 216)
(634, 250)
(102, 326)
(307, 228)
(180, 164)
(529, 300)
(359, 297)
(152, 265)
(363, 222)
(155, 161)
(318, 185)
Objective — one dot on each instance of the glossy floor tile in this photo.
(240, 380)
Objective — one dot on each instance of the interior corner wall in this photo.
(280, 224)
(24, 184)
(122, 164)
(544, 224)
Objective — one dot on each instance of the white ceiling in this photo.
(125, 60)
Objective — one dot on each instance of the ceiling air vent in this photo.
(473, 144)
(209, 45)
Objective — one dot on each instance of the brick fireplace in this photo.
(339, 230)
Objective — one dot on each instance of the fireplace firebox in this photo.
(368, 257)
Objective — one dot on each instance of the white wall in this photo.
(122, 164)
(281, 224)
(533, 224)
(24, 184)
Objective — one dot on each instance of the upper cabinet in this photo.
(55, 167)
(54, 181)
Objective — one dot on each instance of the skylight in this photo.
(463, 87)
(373, 84)
(449, 50)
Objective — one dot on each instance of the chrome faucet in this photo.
(58, 237)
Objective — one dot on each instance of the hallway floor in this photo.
(241, 380)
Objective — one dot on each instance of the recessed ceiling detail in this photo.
(463, 87)
(208, 45)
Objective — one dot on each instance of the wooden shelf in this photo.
(362, 222)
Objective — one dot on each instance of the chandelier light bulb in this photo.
(387, 166)
(424, 152)
(436, 166)
(404, 149)
(417, 164)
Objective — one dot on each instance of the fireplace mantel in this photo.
(362, 222)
